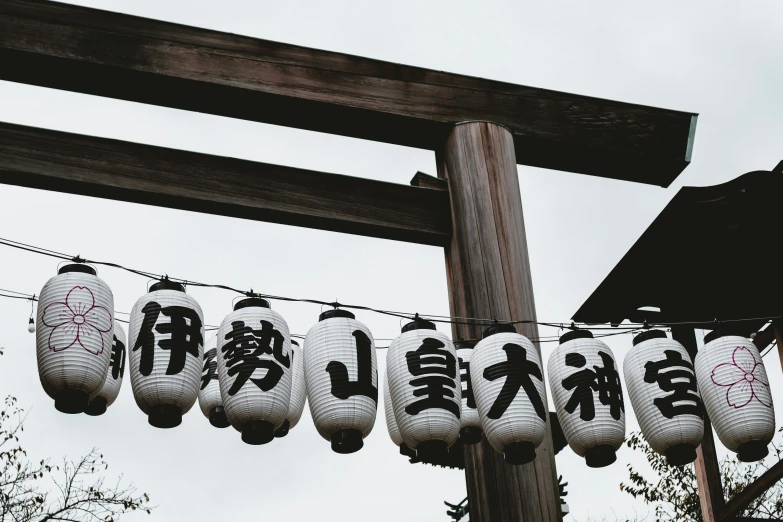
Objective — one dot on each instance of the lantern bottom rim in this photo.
(164, 416)
(217, 417)
(258, 432)
(431, 450)
(347, 441)
(283, 430)
(71, 401)
(600, 456)
(470, 435)
(407, 451)
(518, 453)
(681, 454)
(96, 407)
(752, 451)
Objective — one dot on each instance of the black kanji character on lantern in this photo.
(683, 389)
(183, 328)
(517, 370)
(584, 384)
(342, 387)
(438, 370)
(117, 358)
(603, 379)
(243, 355)
(467, 388)
(209, 372)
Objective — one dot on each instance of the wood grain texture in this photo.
(120, 56)
(706, 464)
(489, 276)
(104, 168)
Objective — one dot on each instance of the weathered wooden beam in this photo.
(753, 491)
(120, 56)
(104, 168)
(706, 465)
(488, 271)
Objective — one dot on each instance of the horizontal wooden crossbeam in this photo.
(104, 168)
(130, 58)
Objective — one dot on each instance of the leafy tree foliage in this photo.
(74, 491)
(674, 494)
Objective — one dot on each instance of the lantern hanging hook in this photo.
(78, 259)
(645, 325)
(573, 326)
(335, 304)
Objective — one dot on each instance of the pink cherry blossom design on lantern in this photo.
(79, 319)
(744, 376)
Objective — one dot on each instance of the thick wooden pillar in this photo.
(489, 277)
(706, 465)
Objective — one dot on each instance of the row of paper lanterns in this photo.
(256, 379)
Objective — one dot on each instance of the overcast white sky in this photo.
(718, 59)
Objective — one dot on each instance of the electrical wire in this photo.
(470, 321)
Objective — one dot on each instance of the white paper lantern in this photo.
(661, 383)
(298, 391)
(341, 371)
(508, 385)
(588, 397)
(166, 352)
(470, 423)
(74, 336)
(735, 389)
(209, 399)
(111, 386)
(388, 408)
(425, 388)
(254, 369)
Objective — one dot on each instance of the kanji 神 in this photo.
(603, 379)
(467, 387)
(183, 329)
(517, 370)
(244, 351)
(209, 372)
(437, 368)
(117, 359)
(342, 387)
(680, 381)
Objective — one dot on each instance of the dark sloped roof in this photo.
(709, 255)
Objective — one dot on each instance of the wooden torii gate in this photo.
(479, 130)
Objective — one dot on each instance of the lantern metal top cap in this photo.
(464, 344)
(337, 312)
(250, 302)
(293, 341)
(647, 335)
(78, 268)
(499, 328)
(576, 334)
(723, 331)
(419, 324)
(167, 284)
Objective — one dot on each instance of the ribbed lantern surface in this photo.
(166, 353)
(425, 387)
(508, 385)
(111, 386)
(588, 397)
(661, 384)
(298, 391)
(209, 399)
(74, 336)
(341, 371)
(388, 408)
(470, 424)
(735, 389)
(254, 369)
